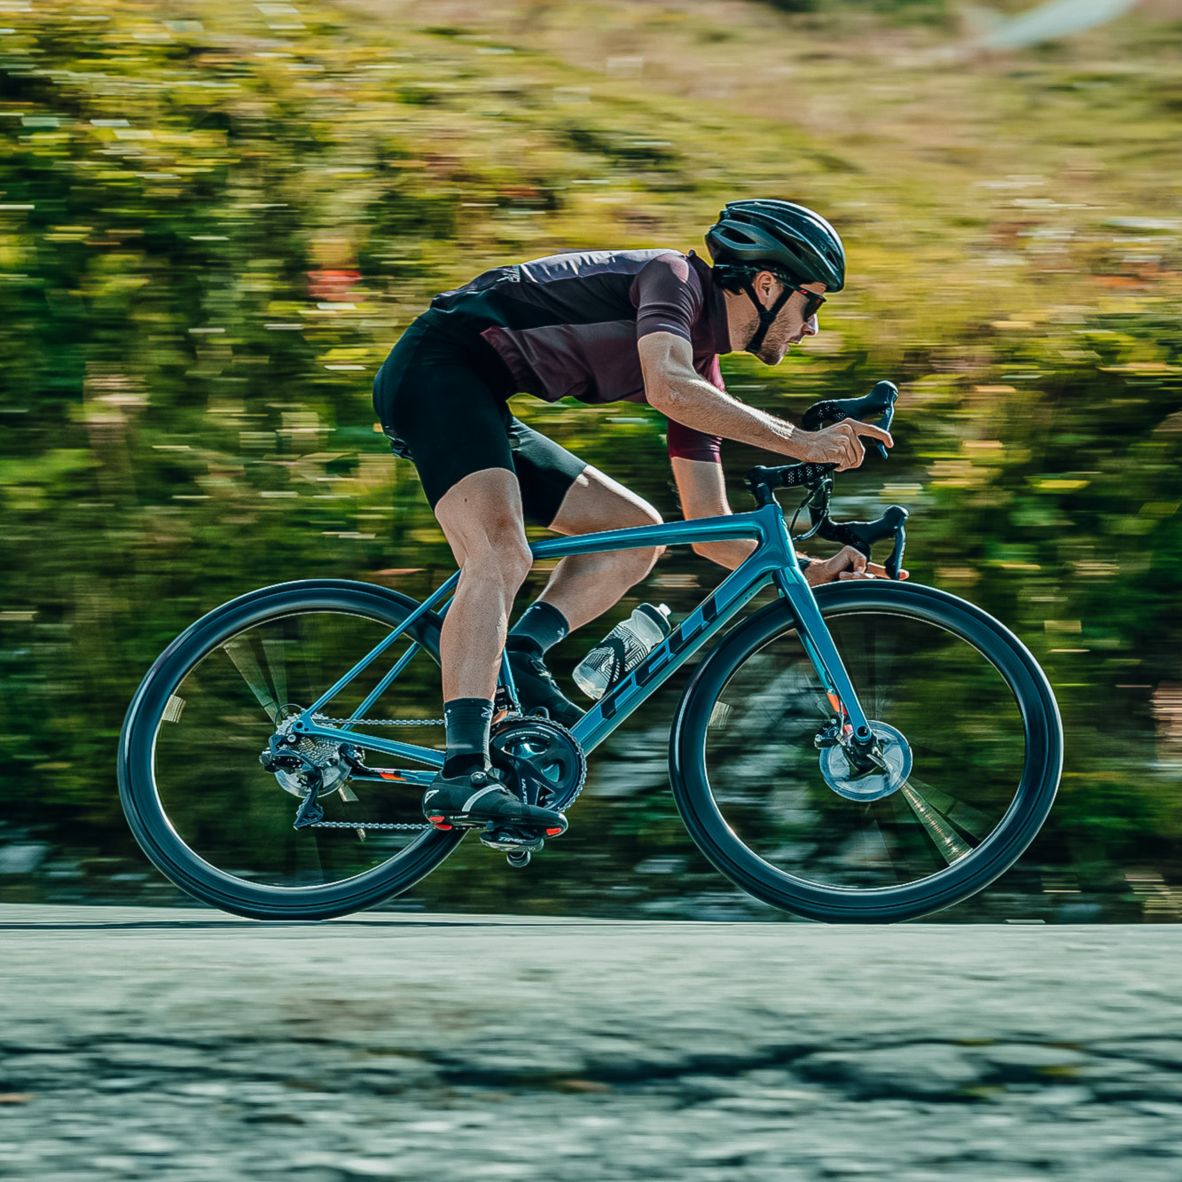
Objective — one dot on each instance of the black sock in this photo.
(540, 628)
(467, 721)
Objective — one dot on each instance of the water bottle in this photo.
(622, 649)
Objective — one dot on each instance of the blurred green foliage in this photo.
(216, 219)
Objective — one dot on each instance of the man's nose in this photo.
(810, 328)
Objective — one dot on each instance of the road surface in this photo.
(189, 1045)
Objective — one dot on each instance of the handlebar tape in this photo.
(880, 401)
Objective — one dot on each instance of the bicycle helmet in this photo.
(791, 241)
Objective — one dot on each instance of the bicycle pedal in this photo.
(507, 840)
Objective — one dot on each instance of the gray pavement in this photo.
(190, 1045)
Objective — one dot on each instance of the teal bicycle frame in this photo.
(772, 562)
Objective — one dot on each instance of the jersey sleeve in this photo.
(668, 297)
(690, 443)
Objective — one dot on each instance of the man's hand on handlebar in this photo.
(838, 444)
(847, 563)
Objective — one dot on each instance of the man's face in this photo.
(789, 327)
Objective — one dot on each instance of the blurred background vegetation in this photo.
(216, 218)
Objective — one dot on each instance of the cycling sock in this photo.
(540, 628)
(467, 721)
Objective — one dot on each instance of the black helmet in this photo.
(782, 237)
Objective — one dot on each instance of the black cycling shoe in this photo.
(477, 798)
(536, 688)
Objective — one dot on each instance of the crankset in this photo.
(542, 762)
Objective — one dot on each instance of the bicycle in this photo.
(783, 780)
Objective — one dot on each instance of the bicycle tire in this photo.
(1034, 795)
(143, 808)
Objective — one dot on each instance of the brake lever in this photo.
(894, 562)
(885, 421)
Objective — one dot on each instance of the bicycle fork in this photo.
(851, 727)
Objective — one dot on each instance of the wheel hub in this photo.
(892, 755)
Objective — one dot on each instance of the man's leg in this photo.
(583, 586)
(444, 413)
(481, 517)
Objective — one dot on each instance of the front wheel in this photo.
(968, 728)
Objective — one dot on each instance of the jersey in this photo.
(566, 326)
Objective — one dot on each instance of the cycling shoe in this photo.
(537, 689)
(476, 799)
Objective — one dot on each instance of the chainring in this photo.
(541, 760)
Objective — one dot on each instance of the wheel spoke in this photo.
(937, 826)
(241, 654)
(971, 822)
(275, 652)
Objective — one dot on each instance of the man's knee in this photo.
(645, 514)
(482, 518)
(500, 554)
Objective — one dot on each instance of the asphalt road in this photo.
(189, 1045)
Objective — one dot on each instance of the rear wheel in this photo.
(219, 825)
(971, 748)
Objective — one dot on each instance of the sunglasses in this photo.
(812, 301)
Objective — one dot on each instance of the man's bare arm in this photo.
(674, 388)
(702, 492)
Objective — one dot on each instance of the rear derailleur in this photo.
(309, 768)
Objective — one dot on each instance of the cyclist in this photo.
(633, 325)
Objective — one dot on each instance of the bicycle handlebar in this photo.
(863, 534)
(763, 481)
(880, 401)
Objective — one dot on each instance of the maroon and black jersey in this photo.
(566, 326)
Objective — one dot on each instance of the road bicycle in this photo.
(865, 751)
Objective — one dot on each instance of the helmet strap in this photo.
(766, 315)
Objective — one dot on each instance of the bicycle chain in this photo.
(404, 826)
(366, 825)
(322, 718)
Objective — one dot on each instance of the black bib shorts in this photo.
(442, 401)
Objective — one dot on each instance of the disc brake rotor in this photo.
(845, 780)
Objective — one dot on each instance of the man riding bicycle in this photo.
(603, 326)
